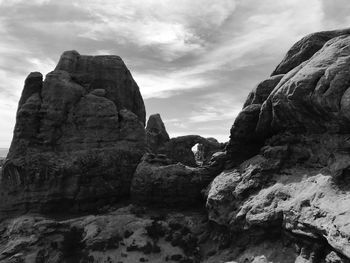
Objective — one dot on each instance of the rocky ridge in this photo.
(278, 192)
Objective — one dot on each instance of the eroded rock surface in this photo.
(160, 181)
(279, 192)
(314, 95)
(179, 149)
(297, 185)
(126, 235)
(157, 136)
(78, 138)
(262, 90)
(244, 141)
(293, 180)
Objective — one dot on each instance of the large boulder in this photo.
(78, 138)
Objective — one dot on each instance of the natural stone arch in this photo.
(180, 148)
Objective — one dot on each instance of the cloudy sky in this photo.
(195, 61)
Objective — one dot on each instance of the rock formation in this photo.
(159, 181)
(293, 132)
(244, 140)
(313, 96)
(127, 235)
(78, 138)
(278, 193)
(180, 148)
(157, 136)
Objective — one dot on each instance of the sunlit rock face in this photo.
(289, 152)
(314, 96)
(310, 94)
(78, 138)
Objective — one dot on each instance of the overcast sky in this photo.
(195, 61)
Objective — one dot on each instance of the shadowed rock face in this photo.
(262, 90)
(244, 141)
(108, 73)
(157, 135)
(78, 138)
(161, 182)
(180, 148)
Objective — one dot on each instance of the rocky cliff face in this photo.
(78, 138)
(294, 134)
(278, 193)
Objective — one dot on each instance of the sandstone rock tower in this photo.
(78, 138)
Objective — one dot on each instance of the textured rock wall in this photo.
(180, 148)
(159, 181)
(310, 94)
(157, 136)
(289, 153)
(78, 138)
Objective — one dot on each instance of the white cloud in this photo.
(164, 85)
(215, 107)
(173, 28)
(272, 26)
(41, 65)
(264, 29)
(10, 91)
(7, 117)
(177, 122)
